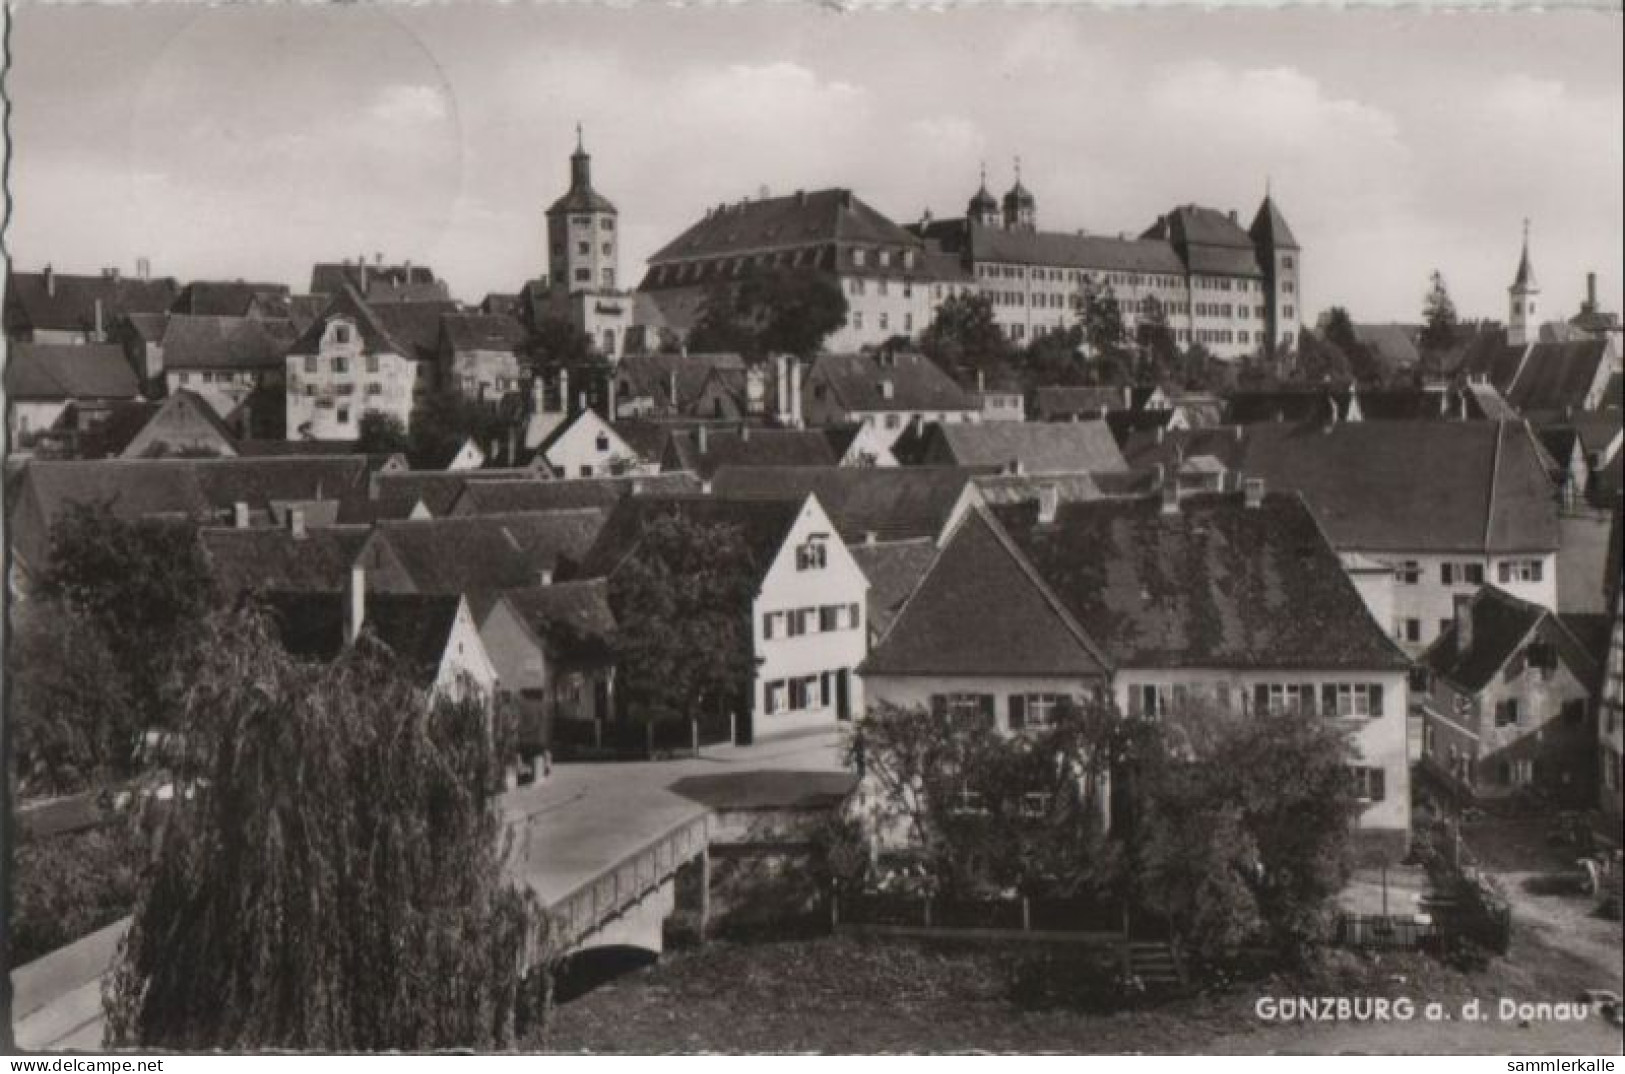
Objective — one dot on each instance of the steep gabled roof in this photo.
(885, 503)
(416, 627)
(1216, 584)
(508, 497)
(1270, 228)
(329, 278)
(375, 336)
(980, 609)
(212, 342)
(263, 559)
(1556, 377)
(227, 298)
(438, 490)
(800, 219)
(894, 570)
(746, 446)
(482, 331)
(55, 301)
(652, 375)
(59, 372)
(1038, 447)
(126, 421)
(1501, 624)
(415, 325)
(763, 526)
(490, 552)
(859, 383)
(1207, 241)
(573, 618)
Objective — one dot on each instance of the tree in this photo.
(1103, 327)
(683, 605)
(1156, 342)
(770, 311)
(1338, 330)
(986, 812)
(329, 874)
(1439, 325)
(1243, 825)
(71, 721)
(141, 584)
(445, 423)
(1056, 358)
(963, 335)
(558, 341)
(1320, 361)
(382, 434)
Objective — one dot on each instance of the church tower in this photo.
(1522, 327)
(1020, 207)
(582, 237)
(1281, 259)
(983, 210)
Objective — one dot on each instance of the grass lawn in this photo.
(844, 995)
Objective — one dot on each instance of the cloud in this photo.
(405, 105)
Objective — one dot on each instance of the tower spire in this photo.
(1018, 169)
(581, 146)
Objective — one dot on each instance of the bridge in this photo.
(601, 845)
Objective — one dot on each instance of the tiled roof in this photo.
(1394, 345)
(227, 298)
(1207, 241)
(858, 383)
(50, 371)
(415, 627)
(507, 497)
(1026, 488)
(147, 327)
(1039, 447)
(262, 559)
(1394, 486)
(574, 618)
(114, 434)
(482, 331)
(1218, 584)
(961, 238)
(329, 278)
(1270, 228)
(762, 525)
(746, 446)
(800, 219)
(646, 438)
(1556, 376)
(415, 325)
(209, 342)
(490, 552)
(980, 609)
(68, 303)
(1500, 624)
(1053, 401)
(889, 503)
(375, 337)
(439, 489)
(894, 570)
(1250, 406)
(650, 376)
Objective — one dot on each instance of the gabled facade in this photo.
(346, 364)
(586, 445)
(889, 392)
(1508, 709)
(183, 424)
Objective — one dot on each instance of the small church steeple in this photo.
(1522, 326)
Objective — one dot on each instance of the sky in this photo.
(251, 142)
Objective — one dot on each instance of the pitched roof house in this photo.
(1508, 705)
(182, 424)
(892, 391)
(64, 388)
(478, 554)
(54, 307)
(263, 560)
(1023, 448)
(866, 504)
(508, 497)
(704, 450)
(1226, 600)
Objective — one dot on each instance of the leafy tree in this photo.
(770, 311)
(558, 341)
(1242, 826)
(141, 584)
(1320, 361)
(963, 335)
(445, 422)
(1103, 328)
(1057, 358)
(988, 812)
(381, 433)
(72, 724)
(1439, 325)
(1156, 342)
(1338, 330)
(329, 875)
(683, 602)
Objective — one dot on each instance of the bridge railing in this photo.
(610, 893)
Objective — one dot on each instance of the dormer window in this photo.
(859, 257)
(888, 390)
(813, 553)
(341, 334)
(885, 258)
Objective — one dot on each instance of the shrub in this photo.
(68, 886)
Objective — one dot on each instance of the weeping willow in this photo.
(329, 872)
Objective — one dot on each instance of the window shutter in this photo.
(1306, 698)
(1328, 699)
(1261, 699)
(1018, 711)
(767, 626)
(987, 709)
(1376, 701)
(1378, 784)
(939, 706)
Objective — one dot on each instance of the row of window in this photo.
(207, 377)
(373, 388)
(339, 363)
(822, 619)
(799, 693)
(883, 257)
(882, 321)
(1466, 572)
(605, 223)
(859, 286)
(1274, 699)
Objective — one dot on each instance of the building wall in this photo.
(1378, 739)
(179, 427)
(465, 664)
(590, 448)
(1429, 601)
(330, 390)
(485, 375)
(224, 389)
(30, 418)
(818, 653)
(1462, 744)
(1376, 587)
(582, 248)
(878, 308)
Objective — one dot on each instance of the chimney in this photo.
(1252, 490)
(700, 436)
(801, 197)
(1170, 498)
(538, 394)
(1156, 476)
(50, 281)
(744, 432)
(1591, 292)
(1049, 499)
(361, 269)
(378, 258)
(564, 388)
(610, 389)
(671, 388)
(355, 603)
(1162, 432)
(870, 537)
(296, 523)
(239, 515)
(544, 576)
(794, 365)
(581, 401)
(1128, 397)
(981, 381)
(1238, 432)
(98, 319)
(705, 487)
(1464, 623)
(143, 268)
